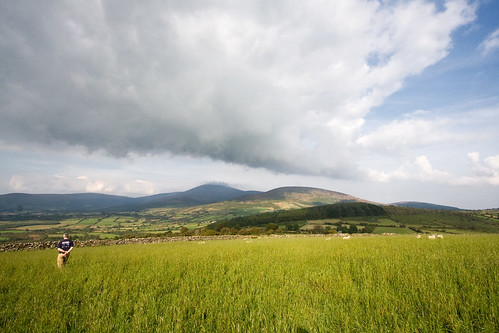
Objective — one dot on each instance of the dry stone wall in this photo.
(106, 242)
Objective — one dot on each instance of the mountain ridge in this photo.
(423, 205)
(197, 196)
(92, 202)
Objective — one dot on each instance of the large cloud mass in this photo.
(281, 85)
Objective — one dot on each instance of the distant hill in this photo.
(205, 194)
(201, 195)
(80, 202)
(288, 217)
(215, 208)
(283, 198)
(308, 196)
(92, 202)
(423, 205)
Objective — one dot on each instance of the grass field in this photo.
(390, 230)
(299, 284)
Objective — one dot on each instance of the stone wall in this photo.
(106, 242)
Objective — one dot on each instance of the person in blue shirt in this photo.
(65, 246)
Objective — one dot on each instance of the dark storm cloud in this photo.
(283, 87)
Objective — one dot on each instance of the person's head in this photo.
(65, 236)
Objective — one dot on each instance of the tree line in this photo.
(289, 218)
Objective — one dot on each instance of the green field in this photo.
(27, 227)
(297, 284)
(89, 221)
(392, 230)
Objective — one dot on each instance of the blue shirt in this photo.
(65, 244)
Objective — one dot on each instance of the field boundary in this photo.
(7, 247)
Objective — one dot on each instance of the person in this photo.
(65, 246)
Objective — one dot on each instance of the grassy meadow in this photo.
(295, 284)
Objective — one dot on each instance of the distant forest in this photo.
(288, 217)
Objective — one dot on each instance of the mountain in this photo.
(305, 195)
(92, 202)
(79, 202)
(205, 194)
(277, 199)
(423, 205)
(201, 195)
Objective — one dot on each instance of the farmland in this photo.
(290, 284)
(215, 209)
(175, 221)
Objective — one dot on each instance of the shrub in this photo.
(208, 232)
(272, 226)
(225, 231)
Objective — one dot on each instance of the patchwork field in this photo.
(164, 222)
(299, 284)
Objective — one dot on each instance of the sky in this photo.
(384, 100)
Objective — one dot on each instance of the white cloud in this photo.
(284, 86)
(492, 162)
(491, 43)
(440, 129)
(482, 172)
(486, 170)
(99, 187)
(383, 176)
(16, 183)
(419, 169)
(140, 186)
(428, 173)
(403, 134)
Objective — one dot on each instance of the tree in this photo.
(318, 229)
(293, 227)
(272, 226)
(352, 229)
(186, 232)
(207, 232)
(368, 229)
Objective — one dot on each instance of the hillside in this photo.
(305, 195)
(289, 209)
(198, 196)
(423, 205)
(280, 198)
(79, 202)
(206, 194)
(298, 197)
(287, 218)
(370, 218)
(284, 198)
(253, 217)
(94, 202)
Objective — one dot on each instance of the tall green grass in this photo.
(365, 284)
